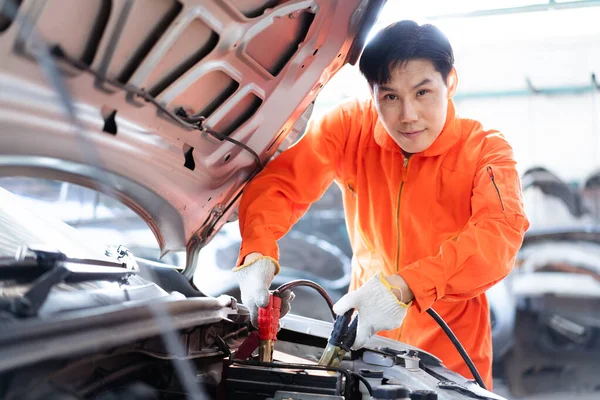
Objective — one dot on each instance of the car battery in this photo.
(260, 383)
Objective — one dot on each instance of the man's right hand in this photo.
(255, 277)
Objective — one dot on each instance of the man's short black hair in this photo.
(401, 42)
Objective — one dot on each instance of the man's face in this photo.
(412, 106)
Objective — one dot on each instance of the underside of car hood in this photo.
(118, 95)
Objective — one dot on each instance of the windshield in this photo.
(22, 226)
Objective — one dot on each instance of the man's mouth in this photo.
(411, 134)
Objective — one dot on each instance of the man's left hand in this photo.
(378, 309)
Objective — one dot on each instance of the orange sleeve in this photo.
(484, 252)
(281, 193)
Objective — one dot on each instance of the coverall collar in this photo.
(447, 138)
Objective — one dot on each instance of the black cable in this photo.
(222, 137)
(311, 284)
(431, 312)
(458, 345)
(364, 381)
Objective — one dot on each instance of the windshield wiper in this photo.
(50, 268)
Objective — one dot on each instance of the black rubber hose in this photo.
(311, 284)
(364, 381)
(458, 345)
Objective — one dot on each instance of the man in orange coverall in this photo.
(433, 202)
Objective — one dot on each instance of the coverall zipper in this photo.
(404, 174)
(491, 174)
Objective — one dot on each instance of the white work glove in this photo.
(255, 279)
(377, 306)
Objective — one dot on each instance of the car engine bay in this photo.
(79, 340)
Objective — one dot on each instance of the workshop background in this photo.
(525, 68)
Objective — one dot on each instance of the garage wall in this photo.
(558, 130)
(558, 133)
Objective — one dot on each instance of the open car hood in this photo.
(97, 93)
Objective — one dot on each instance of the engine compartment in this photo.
(141, 370)
(93, 329)
(201, 362)
(117, 328)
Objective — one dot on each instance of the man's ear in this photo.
(452, 82)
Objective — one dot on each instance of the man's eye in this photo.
(422, 92)
(390, 97)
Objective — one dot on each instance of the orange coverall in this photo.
(449, 220)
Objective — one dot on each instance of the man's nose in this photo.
(408, 113)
